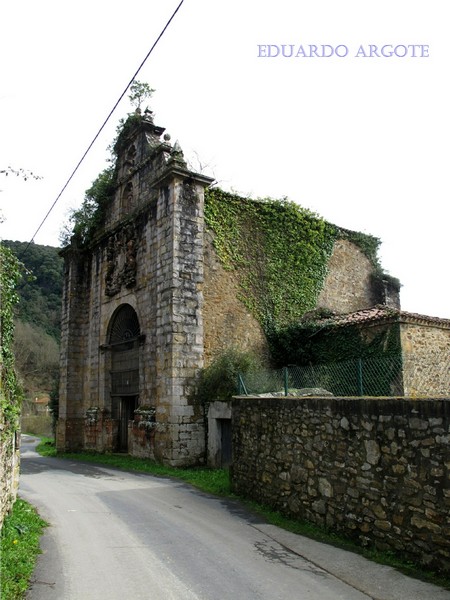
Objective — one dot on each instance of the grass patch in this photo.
(20, 535)
(213, 481)
(217, 482)
(46, 446)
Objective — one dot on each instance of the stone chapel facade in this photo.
(148, 303)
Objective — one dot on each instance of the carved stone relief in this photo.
(121, 261)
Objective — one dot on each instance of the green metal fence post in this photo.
(241, 386)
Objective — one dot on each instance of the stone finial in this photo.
(176, 154)
(177, 149)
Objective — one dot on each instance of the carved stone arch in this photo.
(123, 325)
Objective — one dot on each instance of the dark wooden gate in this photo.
(127, 406)
(124, 345)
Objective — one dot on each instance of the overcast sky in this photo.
(360, 138)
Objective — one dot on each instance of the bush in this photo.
(219, 381)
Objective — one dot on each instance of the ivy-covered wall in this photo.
(278, 249)
(286, 262)
(227, 322)
(10, 394)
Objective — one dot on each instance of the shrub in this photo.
(219, 381)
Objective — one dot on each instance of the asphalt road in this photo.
(118, 535)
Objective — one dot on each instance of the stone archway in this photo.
(123, 342)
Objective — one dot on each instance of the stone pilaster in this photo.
(179, 436)
(74, 321)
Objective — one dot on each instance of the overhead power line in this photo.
(103, 125)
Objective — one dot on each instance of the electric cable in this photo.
(101, 128)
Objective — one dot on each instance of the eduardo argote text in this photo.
(343, 51)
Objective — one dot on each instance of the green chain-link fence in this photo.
(387, 376)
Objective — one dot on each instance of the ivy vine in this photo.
(10, 390)
(279, 250)
(346, 350)
(368, 244)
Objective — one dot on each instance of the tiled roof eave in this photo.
(424, 320)
(383, 315)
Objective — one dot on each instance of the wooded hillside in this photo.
(40, 286)
(37, 317)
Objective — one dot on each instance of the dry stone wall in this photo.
(376, 470)
(9, 472)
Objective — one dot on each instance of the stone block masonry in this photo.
(132, 340)
(375, 470)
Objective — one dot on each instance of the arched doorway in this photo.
(123, 341)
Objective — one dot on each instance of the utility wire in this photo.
(102, 127)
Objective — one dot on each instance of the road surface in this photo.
(119, 535)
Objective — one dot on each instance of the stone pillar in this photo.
(179, 434)
(70, 427)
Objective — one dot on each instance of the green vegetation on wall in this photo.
(375, 351)
(279, 250)
(219, 381)
(368, 244)
(10, 392)
(323, 342)
(280, 253)
(84, 221)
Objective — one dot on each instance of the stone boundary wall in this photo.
(9, 472)
(374, 469)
